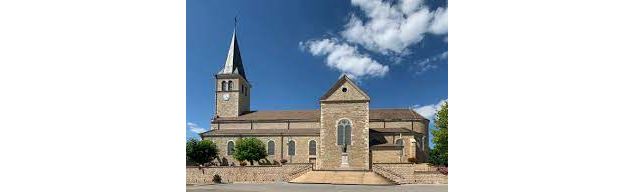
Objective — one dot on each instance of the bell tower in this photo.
(232, 87)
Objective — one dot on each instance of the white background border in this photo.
(93, 95)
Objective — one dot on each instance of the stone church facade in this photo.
(344, 134)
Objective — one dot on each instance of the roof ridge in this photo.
(408, 109)
(287, 110)
(391, 108)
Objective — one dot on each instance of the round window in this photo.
(344, 89)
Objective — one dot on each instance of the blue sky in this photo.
(293, 51)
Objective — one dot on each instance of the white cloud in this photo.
(430, 62)
(345, 58)
(429, 111)
(409, 6)
(391, 29)
(386, 27)
(195, 128)
(440, 23)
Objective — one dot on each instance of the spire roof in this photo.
(234, 63)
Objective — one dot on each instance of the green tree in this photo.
(201, 152)
(439, 154)
(249, 149)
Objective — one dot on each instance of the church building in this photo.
(343, 134)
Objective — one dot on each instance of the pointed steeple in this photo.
(234, 63)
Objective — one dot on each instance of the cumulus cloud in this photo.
(195, 128)
(386, 28)
(392, 28)
(345, 58)
(430, 62)
(429, 111)
(440, 23)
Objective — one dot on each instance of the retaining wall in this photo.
(410, 173)
(246, 174)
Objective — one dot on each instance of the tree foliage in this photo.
(439, 154)
(249, 149)
(201, 152)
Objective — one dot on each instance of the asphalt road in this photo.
(290, 187)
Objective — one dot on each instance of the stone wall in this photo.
(281, 150)
(345, 102)
(418, 126)
(410, 150)
(239, 98)
(268, 125)
(386, 156)
(358, 151)
(418, 149)
(351, 94)
(227, 108)
(247, 174)
(411, 173)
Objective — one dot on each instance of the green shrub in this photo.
(200, 152)
(249, 149)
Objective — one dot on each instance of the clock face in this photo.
(225, 96)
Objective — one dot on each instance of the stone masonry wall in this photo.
(417, 126)
(351, 94)
(411, 173)
(247, 174)
(281, 149)
(421, 151)
(330, 152)
(238, 101)
(351, 104)
(227, 108)
(386, 156)
(268, 125)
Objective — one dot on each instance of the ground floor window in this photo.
(291, 147)
(271, 148)
(312, 147)
(230, 148)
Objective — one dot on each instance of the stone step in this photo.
(343, 178)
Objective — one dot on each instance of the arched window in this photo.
(312, 146)
(271, 148)
(230, 85)
(400, 143)
(344, 132)
(223, 86)
(230, 148)
(291, 147)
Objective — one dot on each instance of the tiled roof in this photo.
(286, 132)
(314, 115)
(394, 114)
(388, 145)
(391, 130)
